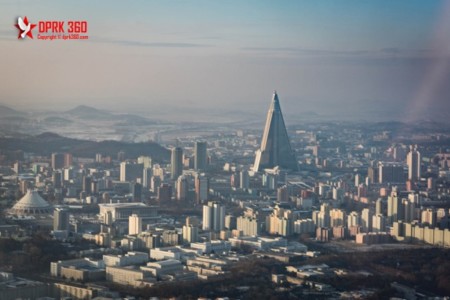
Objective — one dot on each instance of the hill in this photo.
(87, 112)
(6, 111)
(47, 143)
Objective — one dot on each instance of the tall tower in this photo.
(176, 162)
(413, 161)
(275, 146)
(200, 159)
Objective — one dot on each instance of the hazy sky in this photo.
(330, 57)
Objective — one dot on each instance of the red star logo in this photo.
(24, 28)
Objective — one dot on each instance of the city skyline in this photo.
(140, 157)
(395, 57)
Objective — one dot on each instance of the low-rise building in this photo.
(76, 267)
(164, 267)
(373, 238)
(12, 288)
(122, 211)
(61, 291)
(129, 276)
(176, 253)
(258, 243)
(82, 273)
(213, 247)
(131, 258)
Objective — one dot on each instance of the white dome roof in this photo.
(30, 204)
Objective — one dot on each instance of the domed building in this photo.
(31, 204)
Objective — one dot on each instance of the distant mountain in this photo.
(130, 119)
(57, 121)
(87, 112)
(388, 125)
(48, 142)
(6, 111)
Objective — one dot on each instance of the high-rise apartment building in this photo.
(176, 163)
(190, 234)
(390, 172)
(61, 219)
(201, 188)
(200, 156)
(413, 162)
(395, 209)
(57, 161)
(244, 180)
(366, 220)
(182, 187)
(213, 216)
(134, 224)
(130, 171)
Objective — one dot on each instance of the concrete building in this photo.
(63, 291)
(134, 224)
(353, 219)
(131, 258)
(390, 173)
(213, 216)
(200, 156)
(177, 253)
(130, 171)
(57, 160)
(304, 226)
(176, 163)
(259, 243)
(129, 276)
(182, 188)
(12, 288)
(61, 219)
(171, 238)
(207, 267)
(323, 234)
(248, 225)
(429, 217)
(164, 192)
(82, 273)
(212, 247)
(395, 208)
(201, 188)
(122, 211)
(283, 194)
(146, 161)
(366, 220)
(337, 217)
(163, 267)
(244, 182)
(190, 234)
(413, 162)
(373, 238)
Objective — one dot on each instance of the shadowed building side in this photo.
(275, 146)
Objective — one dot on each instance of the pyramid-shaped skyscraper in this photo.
(275, 146)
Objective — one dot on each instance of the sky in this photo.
(351, 59)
